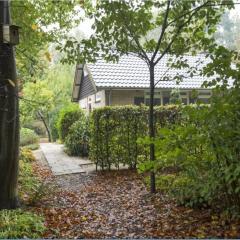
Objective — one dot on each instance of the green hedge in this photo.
(67, 117)
(114, 133)
(76, 142)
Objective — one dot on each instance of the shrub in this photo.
(175, 97)
(27, 137)
(114, 133)
(67, 117)
(26, 155)
(29, 184)
(204, 149)
(32, 147)
(77, 140)
(53, 121)
(20, 224)
(38, 127)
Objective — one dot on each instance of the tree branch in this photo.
(177, 33)
(164, 26)
(206, 4)
(143, 53)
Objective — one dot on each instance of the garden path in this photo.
(60, 163)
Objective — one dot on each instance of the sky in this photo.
(85, 26)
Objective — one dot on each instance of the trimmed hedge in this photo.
(67, 117)
(114, 133)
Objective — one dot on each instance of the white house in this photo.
(127, 82)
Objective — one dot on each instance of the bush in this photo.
(20, 224)
(38, 127)
(28, 137)
(114, 133)
(77, 140)
(26, 155)
(67, 117)
(204, 149)
(29, 184)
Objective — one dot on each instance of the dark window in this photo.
(156, 101)
(184, 101)
(192, 100)
(90, 107)
(166, 100)
(138, 100)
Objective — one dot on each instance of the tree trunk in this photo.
(9, 120)
(152, 127)
(46, 126)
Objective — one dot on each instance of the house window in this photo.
(192, 100)
(98, 97)
(156, 101)
(166, 100)
(138, 100)
(90, 107)
(184, 101)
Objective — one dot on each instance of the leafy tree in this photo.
(42, 22)
(35, 19)
(43, 98)
(37, 104)
(127, 27)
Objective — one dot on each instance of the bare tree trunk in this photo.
(152, 127)
(9, 120)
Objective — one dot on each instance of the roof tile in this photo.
(132, 72)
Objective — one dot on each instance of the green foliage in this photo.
(77, 140)
(36, 20)
(114, 133)
(140, 27)
(16, 224)
(202, 152)
(29, 184)
(26, 155)
(37, 97)
(67, 117)
(175, 97)
(27, 137)
(37, 127)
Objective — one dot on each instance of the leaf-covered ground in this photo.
(117, 205)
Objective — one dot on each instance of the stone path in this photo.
(60, 163)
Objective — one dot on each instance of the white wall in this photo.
(95, 101)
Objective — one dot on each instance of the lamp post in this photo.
(9, 118)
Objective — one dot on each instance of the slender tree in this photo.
(149, 30)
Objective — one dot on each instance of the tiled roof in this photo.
(133, 72)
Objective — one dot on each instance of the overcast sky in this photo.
(85, 26)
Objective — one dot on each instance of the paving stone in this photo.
(60, 163)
